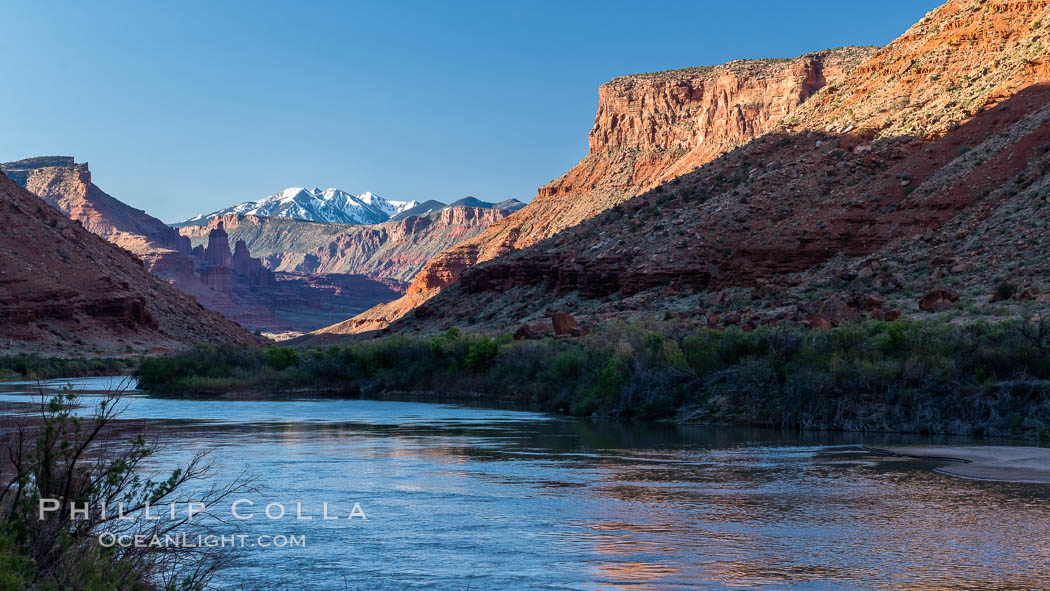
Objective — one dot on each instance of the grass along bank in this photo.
(904, 376)
(24, 366)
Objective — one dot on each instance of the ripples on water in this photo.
(470, 498)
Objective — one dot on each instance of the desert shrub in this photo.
(904, 375)
(567, 366)
(481, 354)
(1005, 290)
(281, 358)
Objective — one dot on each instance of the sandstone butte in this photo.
(67, 290)
(649, 128)
(921, 168)
(67, 186)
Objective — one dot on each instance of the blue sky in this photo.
(184, 107)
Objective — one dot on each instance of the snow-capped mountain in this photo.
(329, 205)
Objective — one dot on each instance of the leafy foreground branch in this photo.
(935, 377)
(62, 459)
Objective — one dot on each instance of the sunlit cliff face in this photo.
(649, 128)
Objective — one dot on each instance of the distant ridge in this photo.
(432, 206)
(428, 206)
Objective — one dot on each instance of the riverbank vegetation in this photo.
(902, 376)
(24, 366)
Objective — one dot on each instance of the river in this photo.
(458, 497)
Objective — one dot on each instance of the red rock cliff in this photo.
(926, 166)
(63, 288)
(69, 189)
(649, 128)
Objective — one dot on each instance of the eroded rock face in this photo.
(958, 59)
(217, 253)
(62, 288)
(392, 251)
(171, 266)
(67, 186)
(653, 127)
(649, 128)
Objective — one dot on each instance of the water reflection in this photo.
(492, 499)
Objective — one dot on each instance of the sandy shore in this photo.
(1001, 463)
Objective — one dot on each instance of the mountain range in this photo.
(315, 205)
(339, 207)
(432, 206)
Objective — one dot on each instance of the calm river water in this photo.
(458, 497)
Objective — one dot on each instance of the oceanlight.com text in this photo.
(109, 539)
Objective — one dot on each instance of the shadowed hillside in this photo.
(66, 289)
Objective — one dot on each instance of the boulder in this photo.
(1028, 294)
(837, 312)
(531, 330)
(563, 323)
(765, 290)
(937, 300)
(817, 321)
(887, 281)
(717, 298)
(867, 302)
